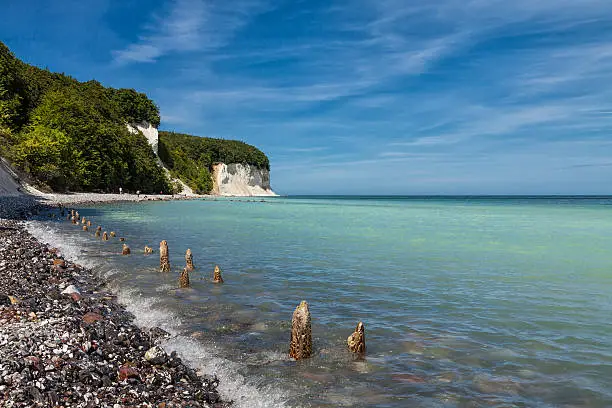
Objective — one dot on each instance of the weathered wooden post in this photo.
(125, 250)
(189, 259)
(356, 341)
(105, 236)
(83, 220)
(164, 262)
(112, 234)
(98, 231)
(73, 220)
(89, 223)
(184, 279)
(77, 215)
(122, 239)
(148, 250)
(217, 278)
(85, 228)
(301, 333)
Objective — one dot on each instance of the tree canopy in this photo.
(71, 135)
(191, 158)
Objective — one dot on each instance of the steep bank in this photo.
(237, 179)
(9, 185)
(216, 166)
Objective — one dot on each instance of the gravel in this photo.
(65, 341)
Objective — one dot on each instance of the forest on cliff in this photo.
(71, 135)
(191, 158)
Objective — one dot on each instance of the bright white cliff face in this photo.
(149, 131)
(236, 179)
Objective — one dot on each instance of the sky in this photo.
(359, 96)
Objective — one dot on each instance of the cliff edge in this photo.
(237, 179)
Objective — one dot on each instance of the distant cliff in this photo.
(237, 179)
(68, 135)
(217, 166)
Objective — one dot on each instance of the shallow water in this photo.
(467, 302)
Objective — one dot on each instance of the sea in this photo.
(466, 301)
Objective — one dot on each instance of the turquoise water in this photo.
(467, 301)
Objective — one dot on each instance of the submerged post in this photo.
(301, 333)
(112, 234)
(83, 221)
(89, 223)
(98, 231)
(217, 275)
(356, 341)
(164, 262)
(105, 236)
(189, 259)
(184, 279)
(148, 250)
(85, 228)
(77, 215)
(126, 250)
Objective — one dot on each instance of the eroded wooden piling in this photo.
(301, 333)
(189, 260)
(217, 278)
(184, 279)
(125, 250)
(356, 341)
(164, 262)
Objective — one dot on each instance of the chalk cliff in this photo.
(236, 179)
(149, 131)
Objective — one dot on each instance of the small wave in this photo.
(245, 393)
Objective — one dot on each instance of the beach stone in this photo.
(189, 259)
(126, 372)
(217, 275)
(356, 341)
(70, 290)
(164, 262)
(59, 262)
(14, 300)
(91, 317)
(125, 250)
(184, 279)
(156, 355)
(301, 333)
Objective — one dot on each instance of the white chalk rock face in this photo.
(148, 130)
(236, 179)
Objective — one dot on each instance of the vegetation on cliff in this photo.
(71, 135)
(191, 158)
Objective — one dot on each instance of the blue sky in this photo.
(360, 96)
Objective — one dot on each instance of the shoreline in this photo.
(66, 340)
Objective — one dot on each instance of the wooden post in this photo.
(85, 228)
(356, 341)
(164, 262)
(217, 275)
(189, 260)
(126, 250)
(112, 234)
(148, 250)
(184, 279)
(301, 333)
(105, 236)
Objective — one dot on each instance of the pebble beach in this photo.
(64, 339)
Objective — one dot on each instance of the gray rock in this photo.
(156, 355)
